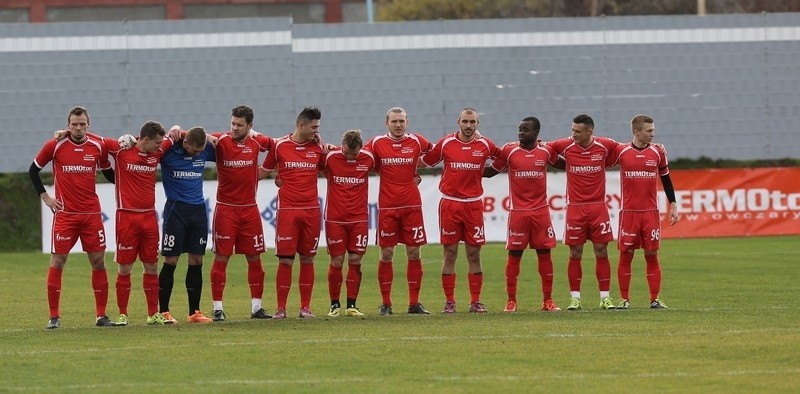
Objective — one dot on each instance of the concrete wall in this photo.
(723, 86)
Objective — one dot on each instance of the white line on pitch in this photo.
(406, 339)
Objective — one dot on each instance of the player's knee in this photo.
(413, 252)
(387, 254)
(337, 261)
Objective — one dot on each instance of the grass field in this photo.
(733, 326)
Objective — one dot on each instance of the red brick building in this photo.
(303, 11)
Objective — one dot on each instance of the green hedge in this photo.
(20, 215)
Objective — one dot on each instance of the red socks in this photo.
(123, 286)
(100, 287)
(545, 263)
(385, 279)
(54, 290)
(603, 272)
(283, 282)
(414, 276)
(306, 284)
(335, 278)
(218, 277)
(575, 274)
(475, 284)
(653, 275)
(335, 281)
(449, 286)
(353, 280)
(624, 274)
(150, 287)
(512, 273)
(255, 278)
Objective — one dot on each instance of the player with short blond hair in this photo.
(641, 163)
(400, 220)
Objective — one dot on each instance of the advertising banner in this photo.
(711, 203)
(735, 202)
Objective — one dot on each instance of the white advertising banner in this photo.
(495, 203)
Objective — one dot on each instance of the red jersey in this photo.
(463, 165)
(586, 168)
(135, 173)
(348, 186)
(237, 168)
(527, 174)
(74, 169)
(639, 173)
(396, 163)
(297, 165)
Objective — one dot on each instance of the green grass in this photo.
(733, 326)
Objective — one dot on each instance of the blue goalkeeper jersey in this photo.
(183, 175)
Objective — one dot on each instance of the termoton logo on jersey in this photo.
(301, 165)
(396, 161)
(640, 174)
(465, 166)
(237, 163)
(186, 174)
(348, 180)
(76, 169)
(140, 168)
(528, 174)
(585, 169)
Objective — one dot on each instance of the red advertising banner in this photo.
(734, 202)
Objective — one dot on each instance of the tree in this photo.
(405, 10)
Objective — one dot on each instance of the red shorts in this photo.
(346, 237)
(530, 228)
(297, 231)
(461, 221)
(587, 221)
(239, 228)
(639, 230)
(401, 225)
(137, 236)
(69, 227)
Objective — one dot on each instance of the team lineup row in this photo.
(296, 159)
